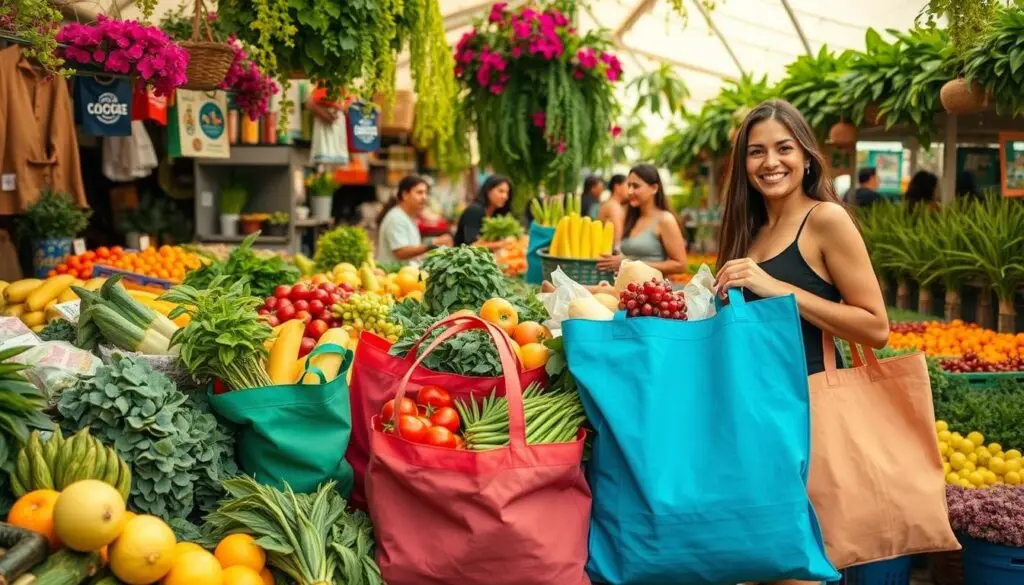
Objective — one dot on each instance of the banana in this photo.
(101, 461)
(113, 467)
(22, 473)
(42, 478)
(63, 457)
(124, 480)
(84, 469)
(50, 450)
(81, 444)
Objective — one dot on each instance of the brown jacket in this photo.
(38, 146)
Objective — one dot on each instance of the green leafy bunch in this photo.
(997, 62)
(995, 412)
(53, 215)
(37, 22)
(461, 277)
(500, 227)
(433, 74)
(224, 338)
(539, 95)
(261, 274)
(658, 88)
(812, 83)
(176, 450)
(342, 244)
(21, 405)
(965, 19)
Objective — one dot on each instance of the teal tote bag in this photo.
(540, 237)
(701, 447)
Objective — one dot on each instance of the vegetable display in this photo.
(577, 237)
(262, 274)
(500, 227)
(461, 277)
(547, 211)
(24, 549)
(20, 410)
(552, 417)
(57, 463)
(112, 314)
(344, 244)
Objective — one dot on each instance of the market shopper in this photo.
(493, 198)
(922, 190)
(398, 237)
(614, 209)
(590, 201)
(784, 231)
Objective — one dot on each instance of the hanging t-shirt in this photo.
(103, 107)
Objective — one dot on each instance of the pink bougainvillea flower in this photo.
(498, 12)
(616, 131)
(517, 51)
(465, 40)
(560, 19)
(587, 58)
(614, 67)
(561, 147)
(540, 119)
(497, 89)
(578, 75)
(522, 29)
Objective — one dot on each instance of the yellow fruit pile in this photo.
(969, 463)
(577, 237)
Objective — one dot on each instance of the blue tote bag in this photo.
(699, 464)
(540, 237)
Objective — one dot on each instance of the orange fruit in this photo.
(267, 576)
(34, 511)
(183, 548)
(239, 575)
(195, 567)
(534, 355)
(240, 550)
(501, 313)
(530, 332)
(407, 281)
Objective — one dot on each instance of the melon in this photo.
(144, 552)
(88, 515)
(608, 301)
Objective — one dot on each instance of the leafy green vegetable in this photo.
(310, 537)
(176, 450)
(344, 244)
(21, 405)
(471, 353)
(461, 277)
(262, 274)
(500, 227)
(995, 412)
(53, 215)
(59, 330)
(224, 339)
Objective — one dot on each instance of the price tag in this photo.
(69, 310)
(8, 182)
(143, 242)
(78, 246)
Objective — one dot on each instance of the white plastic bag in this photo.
(330, 142)
(56, 365)
(557, 303)
(700, 300)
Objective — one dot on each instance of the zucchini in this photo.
(64, 567)
(24, 550)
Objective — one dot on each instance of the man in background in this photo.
(868, 182)
(614, 209)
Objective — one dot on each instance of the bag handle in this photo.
(736, 301)
(326, 348)
(410, 357)
(510, 372)
(829, 350)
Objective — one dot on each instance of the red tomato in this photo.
(425, 420)
(285, 302)
(273, 321)
(328, 287)
(460, 443)
(270, 303)
(316, 307)
(387, 412)
(282, 291)
(306, 346)
(439, 437)
(411, 428)
(89, 255)
(300, 292)
(316, 328)
(74, 262)
(301, 305)
(285, 313)
(446, 417)
(303, 316)
(103, 252)
(321, 295)
(118, 250)
(433, 396)
(263, 311)
(61, 269)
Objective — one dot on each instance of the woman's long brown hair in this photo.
(649, 174)
(745, 212)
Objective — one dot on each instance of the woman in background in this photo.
(398, 237)
(922, 190)
(493, 198)
(590, 201)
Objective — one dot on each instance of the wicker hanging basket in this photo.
(209, 61)
(843, 134)
(958, 98)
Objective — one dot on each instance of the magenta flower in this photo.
(578, 75)
(587, 58)
(517, 51)
(994, 514)
(561, 147)
(498, 12)
(616, 131)
(540, 119)
(522, 29)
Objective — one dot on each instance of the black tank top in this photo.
(790, 267)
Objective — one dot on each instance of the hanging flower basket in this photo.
(843, 134)
(958, 98)
(209, 61)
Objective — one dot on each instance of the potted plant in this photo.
(992, 68)
(812, 85)
(277, 223)
(51, 223)
(320, 188)
(232, 200)
(250, 223)
(968, 22)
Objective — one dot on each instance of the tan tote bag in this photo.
(876, 478)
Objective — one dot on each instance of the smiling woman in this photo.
(784, 231)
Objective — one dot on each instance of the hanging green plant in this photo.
(812, 85)
(539, 95)
(146, 8)
(870, 78)
(36, 22)
(432, 66)
(997, 62)
(926, 62)
(658, 88)
(680, 7)
(966, 19)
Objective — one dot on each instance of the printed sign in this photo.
(103, 107)
(364, 128)
(196, 125)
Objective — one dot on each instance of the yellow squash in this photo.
(282, 364)
(329, 363)
(609, 238)
(48, 291)
(585, 240)
(17, 292)
(575, 223)
(596, 239)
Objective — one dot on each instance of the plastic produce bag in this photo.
(567, 290)
(700, 300)
(56, 365)
(330, 142)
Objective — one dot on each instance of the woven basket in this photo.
(397, 118)
(946, 568)
(208, 61)
(581, 270)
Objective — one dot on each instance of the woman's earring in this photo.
(807, 170)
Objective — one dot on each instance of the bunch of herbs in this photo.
(261, 274)
(53, 215)
(464, 277)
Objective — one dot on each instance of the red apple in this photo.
(301, 305)
(346, 287)
(270, 303)
(326, 315)
(303, 316)
(282, 291)
(316, 328)
(285, 312)
(283, 303)
(306, 346)
(321, 295)
(315, 306)
(328, 287)
(300, 292)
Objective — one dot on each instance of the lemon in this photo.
(969, 466)
(1012, 454)
(990, 478)
(972, 457)
(997, 465)
(976, 478)
(941, 425)
(1013, 478)
(966, 484)
(957, 460)
(943, 447)
(945, 436)
(995, 448)
(958, 438)
(1014, 465)
(965, 446)
(952, 479)
(976, 438)
(946, 467)
(983, 456)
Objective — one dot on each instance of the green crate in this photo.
(583, 271)
(990, 379)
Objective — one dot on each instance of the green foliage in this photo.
(995, 412)
(500, 227)
(997, 62)
(966, 19)
(461, 277)
(906, 316)
(59, 330)
(176, 450)
(925, 63)
(261, 274)
(37, 22)
(53, 215)
(342, 244)
(21, 405)
(811, 85)
(433, 75)
(661, 87)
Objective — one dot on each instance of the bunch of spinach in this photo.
(463, 277)
(262, 274)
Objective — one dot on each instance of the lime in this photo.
(957, 460)
(1013, 478)
(941, 425)
(976, 438)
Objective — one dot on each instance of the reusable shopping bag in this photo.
(701, 446)
(540, 237)
(510, 516)
(197, 125)
(294, 433)
(876, 479)
(375, 375)
(146, 105)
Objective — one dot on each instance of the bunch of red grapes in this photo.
(971, 363)
(654, 298)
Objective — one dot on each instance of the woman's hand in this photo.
(745, 273)
(609, 263)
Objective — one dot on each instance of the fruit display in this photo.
(368, 311)
(169, 263)
(32, 300)
(81, 265)
(969, 463)
(582, 238)
(407, 282)
(57, 463)
(111, 315)
(512, 257)
(970, 363)
(653, 298)
(311, 304)
(956, 339)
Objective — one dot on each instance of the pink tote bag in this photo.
(512, 516)
(876, 479)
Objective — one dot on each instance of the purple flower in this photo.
(993, 514)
